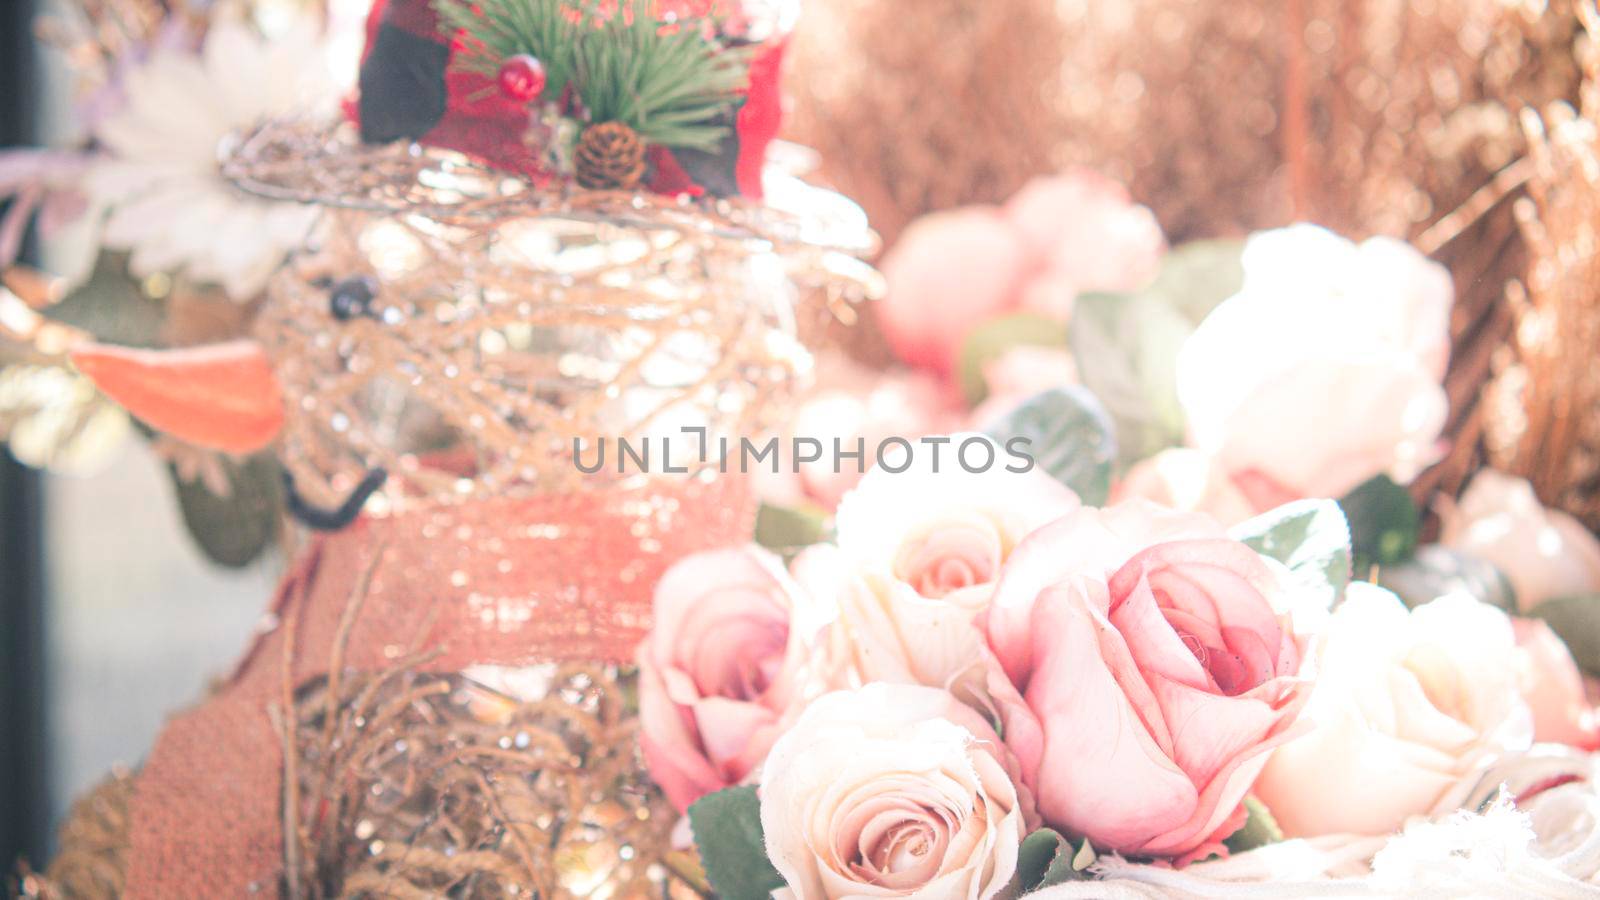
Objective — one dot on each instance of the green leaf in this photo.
(1436, 570)
(111, 306)
(234, 531)
(1069, 437)
(1383, 523)
(1311, 538)
(785, 529)
(993, 338)
(1045, 858)
(1197, 276)
(727, 829)
(1126, 349)
(668, 81)
(1576, 620)
(1126, 344)
(1260, 828)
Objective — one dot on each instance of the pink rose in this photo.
(1155, 674)
(1188, 480)
(881, 406)
(1324, 369)
(1553, 688)
(719, 671)
(1089, 234)
(1544, 553)
(951, 271)
(948, 273)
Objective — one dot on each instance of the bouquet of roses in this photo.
(1142, 660)
(984, 687)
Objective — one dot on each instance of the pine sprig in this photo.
(668, 81)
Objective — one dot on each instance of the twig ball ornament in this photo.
(352, 297)
(518, 325)
(522, 77)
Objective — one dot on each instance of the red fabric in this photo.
(487, 125)
(483, 123)
(669, 178)
(206, 813)
(760, 117)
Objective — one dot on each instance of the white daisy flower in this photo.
(160, 185)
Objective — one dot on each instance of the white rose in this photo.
(918, 552)
(1405, 704)
(891, 791)
(1324, 369)
(1544, 553)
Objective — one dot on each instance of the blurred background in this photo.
(95, 570)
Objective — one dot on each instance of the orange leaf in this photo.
(222, 396)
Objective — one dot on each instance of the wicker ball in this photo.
(1543, 423)
(499, 325)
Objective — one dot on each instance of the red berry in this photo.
(521, 77)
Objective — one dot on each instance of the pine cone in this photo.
(610, 156)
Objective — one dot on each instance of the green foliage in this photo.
(1197, 276)
(1070, 437)
(993, 338)
(234, 530)
(110, 306)
(1384, 522)
(1126, 344)
(1435, 571)
(1311, 538)
(1126, 349)
(727, 830)
(1260, 828)
(789, 529)
(671, 83)
(1044, 859)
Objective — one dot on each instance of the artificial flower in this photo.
(947, 274)
(856, 410)
(917, 557)
(42, 188)
(1019, 374)
(1324, 370)
(1553, 688)
(950, 271)
(891, 791)
(160, 184)
(1148, 670)
(1089, 234)
(722, 667)
(1544, 553)
(1406, 703)
(1190, 480)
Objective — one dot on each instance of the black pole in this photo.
(24, 801)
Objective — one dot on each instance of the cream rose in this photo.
(1544, 553)
(891, 791)
(918, 553)
(1405, 704)
(1324, 369)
